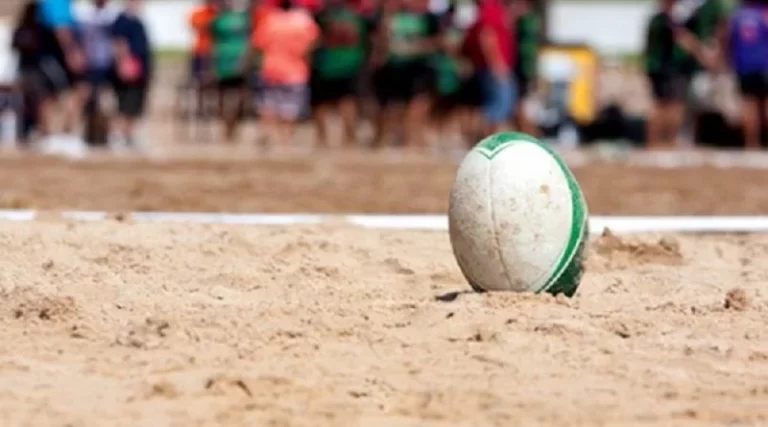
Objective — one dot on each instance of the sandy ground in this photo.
(335, 183)
(176, 325)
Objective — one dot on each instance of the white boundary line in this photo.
(618, 224)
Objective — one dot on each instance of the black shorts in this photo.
(331, 90)
(230, 83)
(754, 85)
(131, 99)
(667, 87)
(199, 66)
(447, 103)
(57, 78)
(471, 92)
(401, 83)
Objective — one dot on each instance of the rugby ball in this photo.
(517, 217)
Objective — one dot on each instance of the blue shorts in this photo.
(200, 65)
(499, 97)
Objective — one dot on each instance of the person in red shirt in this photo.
(490, 47)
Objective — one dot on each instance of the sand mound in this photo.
(625, 251)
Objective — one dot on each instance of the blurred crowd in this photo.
(690, 41)
(433, 70)
(65, 62)
(427, 69)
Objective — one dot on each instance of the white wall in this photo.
(610, 27)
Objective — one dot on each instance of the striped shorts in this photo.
(285, 101)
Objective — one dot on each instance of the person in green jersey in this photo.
(410, 36)
(664, 66)
(337, 65)
(528, 27)
(700, 25)
(676, 50)
(450, 72)
(230, 34)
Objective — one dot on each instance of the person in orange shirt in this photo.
(285, 38)
(200, 21)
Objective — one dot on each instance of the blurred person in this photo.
(311, 6)
(63, 66)
(230, 35)
(337, 66)
(26, 42)
(404, 81)
(528, 37)
(451, 72)
(665, 66)
(285, 39)
(490, 46)
(132, 74)
(747, 47)
(200, 65)
(200, 22)
(27, 38)
(96, 26)
(377, 70)
(258, 9)
(699, 26)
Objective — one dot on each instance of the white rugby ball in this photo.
(517, 217)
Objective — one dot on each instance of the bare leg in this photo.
(269, 126)
(383, 119)
(119, 129)
(47, 110)
(464, 119)
(287, 132)
(74, 106)
(654, 128)
(415, 118)
(231, 104)
(321, 115)
(750, 118)
(674, 114)
(348, 113)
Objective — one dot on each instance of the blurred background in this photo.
(422, 75)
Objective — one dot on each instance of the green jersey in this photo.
(409, 29)
(447, 67)
(528, 33)
(662, 53)
(230, 34)
(704, 24)
(345, 35)
(706, 20)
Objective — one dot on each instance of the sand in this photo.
(113, 323)
(361, 183)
